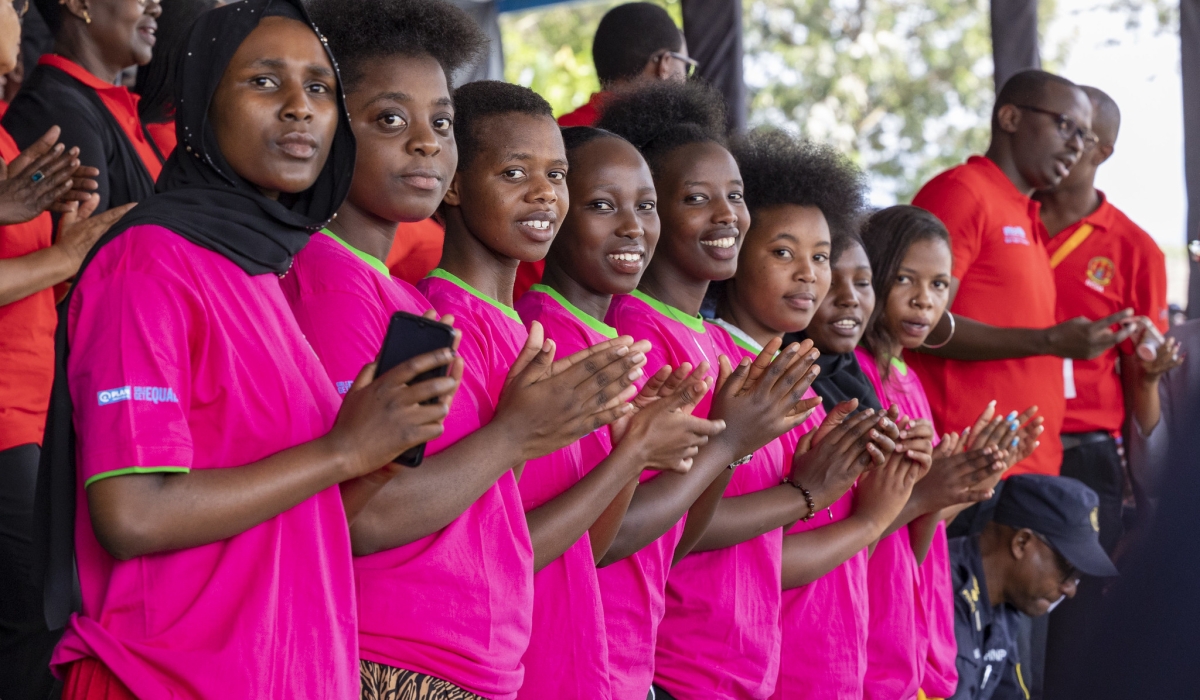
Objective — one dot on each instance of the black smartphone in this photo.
(407, 337)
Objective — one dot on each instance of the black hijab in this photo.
(200, 198)
(841, 379)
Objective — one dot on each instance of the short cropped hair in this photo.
(476, 101)
(660, 117)
(362, 31)
(779, 169)
(1026, 88)
(628, 36)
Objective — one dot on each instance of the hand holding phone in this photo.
(407, 337)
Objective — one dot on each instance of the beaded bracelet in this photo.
(808, 500)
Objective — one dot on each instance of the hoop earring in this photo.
(947, 340)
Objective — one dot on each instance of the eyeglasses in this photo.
(692, 64)
(21, 6)
(1068, 128)
(1061, 561)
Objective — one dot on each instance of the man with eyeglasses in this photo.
(1103, 263)
(1043, 535)
(635, 43)
(1001, 339)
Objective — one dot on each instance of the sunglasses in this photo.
(692, 64)
(1067, 127)
(22, 7)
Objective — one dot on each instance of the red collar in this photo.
(76, 71)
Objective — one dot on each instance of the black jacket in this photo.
(988, 662)
(48, 97)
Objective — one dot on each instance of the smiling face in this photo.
(124, 30)
(783, 271)
(402, 116)
(10, 37)
(513, 193)
(919, 294)
(275, 111)
(703, 213)
(612, 227)
(841, 318)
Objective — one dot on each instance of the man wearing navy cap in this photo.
(1043, 535)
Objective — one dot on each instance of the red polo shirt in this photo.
(416, 250)
(529, 274)
(121, 104)
(26, 334)
(1004, 279)
(586, 114)
(1117, 266)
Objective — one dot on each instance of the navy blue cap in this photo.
(1064, 511)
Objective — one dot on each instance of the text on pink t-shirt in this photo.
(181, 361)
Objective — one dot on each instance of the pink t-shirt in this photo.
(633, 589)
(935, 618)
(457, 604)
(720, 635)
(825, 622)
(343, 300)
(181, 361)
(568, 651)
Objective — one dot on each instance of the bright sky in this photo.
(1140, 69)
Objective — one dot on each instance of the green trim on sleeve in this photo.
(588, 320)
(453, 279)
(696, 323)
(739, 336)
(365, 257)
(135, 470)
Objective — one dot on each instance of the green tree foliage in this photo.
(903, 86)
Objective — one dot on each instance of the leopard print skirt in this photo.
(381, 682)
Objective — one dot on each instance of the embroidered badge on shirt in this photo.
(1100, 272)
(1015, 235)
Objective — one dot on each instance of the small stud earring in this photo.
(86, 17)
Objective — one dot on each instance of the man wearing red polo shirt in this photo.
(1005, 330)
(635, 43)
(1102, 262)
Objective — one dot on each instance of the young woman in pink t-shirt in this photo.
(909, 250)
(456, 606)
(715, 639)
(580, 494)
(216, 471)
(446, 543)
(804, 199)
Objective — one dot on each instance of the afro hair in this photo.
(628, 36)
(664, 116)
(486, 98)
(359, 31)
(779, 169)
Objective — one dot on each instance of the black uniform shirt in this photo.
(988, 662)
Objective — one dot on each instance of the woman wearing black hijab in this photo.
(215, 472)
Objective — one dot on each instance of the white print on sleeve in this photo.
(153, 394)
